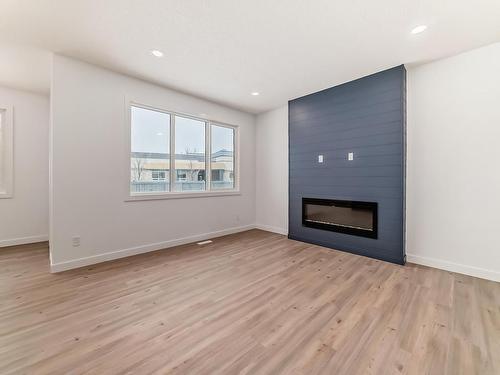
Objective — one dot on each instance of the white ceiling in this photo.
(24, 67)
(225, 49)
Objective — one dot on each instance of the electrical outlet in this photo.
(320, 158)
(76, 241)
(350, 156)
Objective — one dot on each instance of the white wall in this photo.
(88, 139)
(453, 180)
(24, 217)
(272, 170)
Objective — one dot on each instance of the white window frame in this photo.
(7, 190)
(208, 192)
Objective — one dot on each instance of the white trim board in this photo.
(454, 267)
(82, 262)
(269, 228)
(112, 255)
(24, 240)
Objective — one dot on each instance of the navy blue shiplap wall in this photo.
(368, 117)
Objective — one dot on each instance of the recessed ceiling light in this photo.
(159, 134)
(157, 53)
(419, 29)
(255, 93)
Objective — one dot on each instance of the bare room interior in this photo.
(249, 187)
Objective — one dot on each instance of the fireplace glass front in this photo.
(350, 217)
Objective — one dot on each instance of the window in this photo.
(181, 176)
(189, 154)
(2, 157)
(6, 152)
(158, 175)
(150, 150)
(222, 157)
(200, 152)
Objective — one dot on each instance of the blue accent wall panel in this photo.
(367, 117)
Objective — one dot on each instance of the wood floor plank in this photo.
(249, 303)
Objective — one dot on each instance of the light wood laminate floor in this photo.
(250, 303)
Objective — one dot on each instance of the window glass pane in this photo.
(150, 151)
(189, 154)
(2, 147)
(222, 158)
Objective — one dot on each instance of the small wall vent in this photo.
(204, 242)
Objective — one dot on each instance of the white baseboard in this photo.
(454, 267)
(82, 262)
(269, 228)
(87, 261)
(24, 240)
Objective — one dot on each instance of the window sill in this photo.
(155, 196)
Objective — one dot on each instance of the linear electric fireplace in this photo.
(350, 217)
